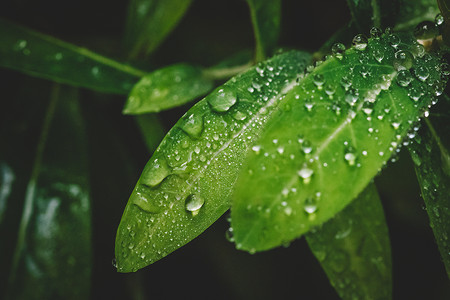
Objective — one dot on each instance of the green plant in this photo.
(289, 140)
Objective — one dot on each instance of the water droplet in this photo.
(338, 50)
(350, 158)
(145, 199)
(318, 80)
(346, 83)
(426, 30)
(422, 73)
(193, 203)
(256, 149)
(378, 55)
(368, 107)
(360, 42)
(351, 97)
(223, 99)
(305, 173)
(330, 89)
(375, 32)
(193, 126)
(393, 39)
(418, 50)
(404, 78)
(414, 94)
(403, 60)
(307, 147)
(240, 116)
(155, 172)
(95, 71)
(439, 20)
(58, 56)
(229, 235)
(310, 205)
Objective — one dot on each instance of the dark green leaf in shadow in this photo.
(6, 182)
(151, 129)
(354, 249)
(166, 88)
(46, 57)
(186, 185)
(413, 12)
(150, 21)
(266, 19)
(53, 252)
(369, 13)
(432, 163)
(329, 137)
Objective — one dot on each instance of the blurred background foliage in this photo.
(208, 267)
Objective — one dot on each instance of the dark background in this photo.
(209, 267)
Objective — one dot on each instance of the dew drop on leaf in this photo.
(338, 50)
(193, 126)
(360, 42)
(310, 205)
(422, 73)
(224, 98)
(193, 203)
(426, 30)
(404, 78)
(305, 173)
(403, 60)
(145, 199)
(375, 32)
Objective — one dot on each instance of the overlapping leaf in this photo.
(330, 136)
(43, 56)
(354, 249)
(186, 184)
(430, 154)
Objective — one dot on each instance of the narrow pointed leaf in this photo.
(430, 154)
(354, 249)
(46, 57)
(411, 13)
(266, 19)
(369, 13)
(53, 252)
(166, 88)
(329, 137)
(186, 185)
(150, 21)
(152, 130)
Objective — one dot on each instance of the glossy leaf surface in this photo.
(53, 252)
(186, 185)
(331, 135)
(354, 249)
(167, 88)
(43, 56)
(266, 19)
(150, 21)
(431, 157)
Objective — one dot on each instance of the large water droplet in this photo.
(193, 126)
(393, 39)
(403, 60)
(155, 172)
(378, 54)
(338, 50)
(375, 32)
(193, 203)
(305, 173)
(426, 30)
(422, 73)
(318, 80)
(404, 78)
(223, 99)
(360, 42)
(310, 205)
(350, 158)
(145, 199)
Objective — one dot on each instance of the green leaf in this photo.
(43, 56)
(412, 13)
(266, 19)
(54, 242)
(151, 129)
(150, 21)
(432, 164)
(369, 13)
(329, 137)
(186, 185)
(354, 249)
(166, 88)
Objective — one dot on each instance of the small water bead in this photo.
(194, 203)
(351, 97)
(350, 158)
(404, 78)
(360, 42)
(426, 30)
(439, 20)
(445, 69)
(418, 50)
(229, 235)
(422, 73)
(305, 173)
(223, 99)
(239, 116)
(307, 147)
(378, 55)
(367, 107)
(403, 60)
(310, 205)
(415, 94)
(394, 40)
(193, 126)
(319, 80)
(330, 89)
(346, 83)
(375, 32)
(338, 50)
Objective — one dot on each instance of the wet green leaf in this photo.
(186, 185)
(431, 157)
(329, 136)
(266, 19)
(413, 12)
(150, 21)
(43, 56)
(354, 249)
(53, 252)
(166, 88)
